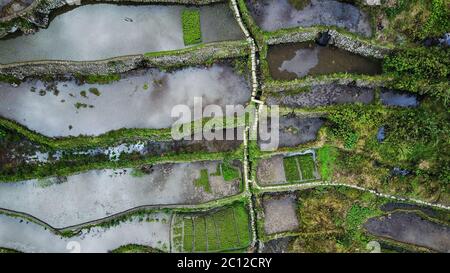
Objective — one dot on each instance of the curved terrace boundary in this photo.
(197, 55)
(72, 230)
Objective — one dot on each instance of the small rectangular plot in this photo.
(188, 235)
(242, 223)
(307, 166)
(213, 241)
(200, 234)
(291, 169)
(227, 230)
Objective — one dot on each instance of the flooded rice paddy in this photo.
(296, 60)
(96, 194)
(410, 228)
(100, 31)
(324, 95)
(141, 99)
(280, 214)
(20, 235)
(271, 15)
(270, 171)
(294, 131)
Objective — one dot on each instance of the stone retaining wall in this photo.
(171, 59)
(338, 39)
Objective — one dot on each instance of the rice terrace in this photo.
(340, 140)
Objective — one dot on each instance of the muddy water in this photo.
(100, 31)
(410, 228)
(92, 195)
(280, 214)
(294, 131)
(24, 236)
(275, 14)
(392, 98)
(296, 60)
(142, 99)
(324, 95)
(270, 171)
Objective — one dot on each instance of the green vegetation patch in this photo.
(299, 168)
(191, 27)
(299, 4)
(229, 172)
(98, 79)
(188, 239)
(327, 158)
(306, 166)
(421, 70)
(201, 237)
(203, 181)
(291, 169)
(223, 230)
(133, 248)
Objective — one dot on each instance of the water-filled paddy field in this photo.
(280, 213)
(271, 15)
(412, 229)
(85, 32)
(151, 230)
(96, 194)
(140, 99)
(296, 60)
(324, 95)
(293, 131)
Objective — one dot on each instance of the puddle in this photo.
(381, 134)
(100, 31)
(296, 60)
(141, 99)
(25, 236)
(96, 194)
(410, 228)
(324, 95)
(275, 14)
(392, 98)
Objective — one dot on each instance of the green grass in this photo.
(203, 181)
(356, 216)
(191, 27)
(307, 166)
(134, 248)
(327, 158)
(94, 91)
(230, 173)
(188, 235)
(213, 242)
(290, 169)
(227, 229)
(200, 234)
(241, 216)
